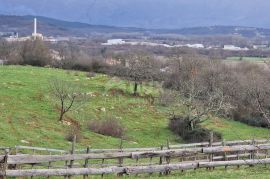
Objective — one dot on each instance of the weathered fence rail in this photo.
(132, 160)
(180, 146)
(130, 170)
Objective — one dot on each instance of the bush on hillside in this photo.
(180, 126)
(250, 119)
(35, 53)
(109, 127)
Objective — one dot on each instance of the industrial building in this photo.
(36, 35)
(14, 37)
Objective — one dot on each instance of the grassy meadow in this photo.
(29, 116)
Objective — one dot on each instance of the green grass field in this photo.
(251, 59)
(28, 114)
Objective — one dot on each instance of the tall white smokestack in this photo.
(35, 26)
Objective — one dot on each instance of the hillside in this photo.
(29, 114)
(54, 27)
(29, 117)
(224, 30)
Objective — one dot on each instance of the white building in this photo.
(260, 46)
(114, 42)
(195, 45)
(234, 48)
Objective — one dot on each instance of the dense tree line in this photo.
(239, 90)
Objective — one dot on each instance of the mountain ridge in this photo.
(147, 13)
(55, 27)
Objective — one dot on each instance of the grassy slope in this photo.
(28, 113)
(233, 130)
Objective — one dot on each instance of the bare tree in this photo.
(198, 92)
(5, 50)
(200, 102)
(68, 54)
(258, 90)
(68, 96)
(141, 68)
(35, 53)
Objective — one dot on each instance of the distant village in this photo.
(197, 45)
(14, 37)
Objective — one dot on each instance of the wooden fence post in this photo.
(160, 159)
(137, 161)
(102, 165)
(168, 159)
(210, 145)
(120, 160)
(86, 162)
(238, 166)
(72, 152)
(168, 147)
(4, 164)
(224, 154)
(266, 155)
(254, 151)
(49, 166)
(16, 152)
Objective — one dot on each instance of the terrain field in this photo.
(251, 59)
(29, 116)
(29, 113)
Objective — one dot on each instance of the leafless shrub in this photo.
(109, 127)
(74, 131)
(138, 67)
(35, 53)
(181, 126)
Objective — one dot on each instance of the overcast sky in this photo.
(147, 13)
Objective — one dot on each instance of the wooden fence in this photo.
(162, 160)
